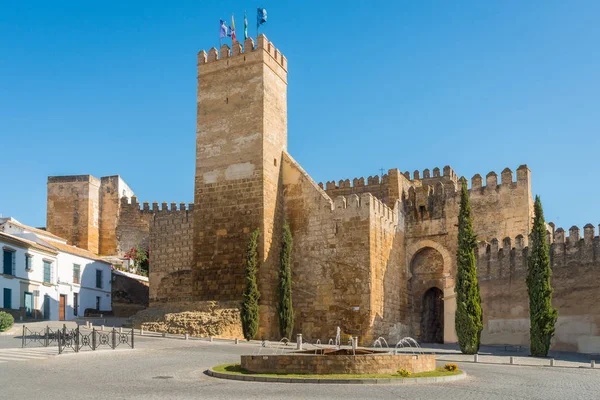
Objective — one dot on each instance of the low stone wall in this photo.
(338, 364)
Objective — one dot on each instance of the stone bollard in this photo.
(141, 331)
(552, 362)
(186, 336)
(512, 360)
(475, 357)
(121, 330)
(210, 339)
(354, 343)
(593, 364)
(237, 340)
(299, 341)
(102, 327)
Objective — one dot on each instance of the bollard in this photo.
(475, 357)
(121, 330)
(102, 327)
(552, 362)
(164, 334)
(186, 336)
(593, 364)
(237, 340)
(354, 343)
(141, 331)
(210, 338)
(299, 341)
(512, 360)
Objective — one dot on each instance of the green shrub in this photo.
(249, 312)
(403, 373)
(451, 367)
(286, 310)
(6, 321)
(468, 318)
(539, 287)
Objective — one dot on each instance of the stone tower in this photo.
(241, 134)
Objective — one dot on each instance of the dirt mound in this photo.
(202, 319)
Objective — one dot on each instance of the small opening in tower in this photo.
(275, 162)
(226, 100)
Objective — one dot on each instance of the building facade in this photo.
(374, 256)
(42, 277)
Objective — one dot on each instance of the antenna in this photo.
(381, 170)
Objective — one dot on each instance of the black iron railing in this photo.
(76, 339)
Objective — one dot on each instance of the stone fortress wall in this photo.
(575, 260)
(375, 256)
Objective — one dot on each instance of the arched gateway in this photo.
(432, 316)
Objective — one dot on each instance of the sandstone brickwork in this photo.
(297, 363)
(374, 256)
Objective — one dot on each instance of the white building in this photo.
(41, 276)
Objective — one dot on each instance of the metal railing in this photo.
(76, 340)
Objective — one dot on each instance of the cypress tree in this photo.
(541, 314)
(468, 318)
(249, 312)
(286, 311)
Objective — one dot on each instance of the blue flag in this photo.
(261, 16)
(222, 30)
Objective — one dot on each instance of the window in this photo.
(7, 298)
(99, 278)
(75, 303)
(97, 303)
(47, 272)
(76, 273)
(8, 262)
(28, 260)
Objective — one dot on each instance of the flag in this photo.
(261, 16)
(245, 26)
(232, 30)
(222, 30)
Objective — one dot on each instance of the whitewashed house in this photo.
(43, 277)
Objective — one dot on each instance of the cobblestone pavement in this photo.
(174, 369)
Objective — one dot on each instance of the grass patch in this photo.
(236, 369)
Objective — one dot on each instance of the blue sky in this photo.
(108, 88)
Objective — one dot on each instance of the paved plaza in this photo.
(173, 368)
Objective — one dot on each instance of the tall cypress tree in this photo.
(469, 317)
(541, 314)
(286, 312)
(249, 312)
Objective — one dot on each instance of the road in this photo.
(174, 369)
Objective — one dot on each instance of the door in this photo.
(432, 321)
(46, 307)
(28, 304)
(75, 303)
(62, 306)
(7, 298)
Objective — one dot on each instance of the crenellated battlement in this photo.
(226, 53)
(366, 203)
(506, 180)
(499, 259)
(417, 175)
(355, 183)
(133, 204)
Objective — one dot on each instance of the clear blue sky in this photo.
(109, 87)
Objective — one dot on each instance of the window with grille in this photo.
(99, 278)
(47, 272)
(76, 273)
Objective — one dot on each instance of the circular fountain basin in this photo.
(338, 361)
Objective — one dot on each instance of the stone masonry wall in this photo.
(73, 210)
(241, 132)
(331, 257)
(575, 278)
(332, 364)
(112, 189)
(168, 232)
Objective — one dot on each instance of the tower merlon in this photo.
(226, 56)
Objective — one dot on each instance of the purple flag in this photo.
(223, 30)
